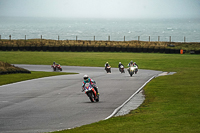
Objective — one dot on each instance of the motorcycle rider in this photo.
(137, 67)
(120, 64)
(131, 64)
(106, 65)
(54, 63)
(91, 81)
(135, 64)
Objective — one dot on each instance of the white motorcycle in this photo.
(132, 70)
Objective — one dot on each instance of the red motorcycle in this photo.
(56, 67)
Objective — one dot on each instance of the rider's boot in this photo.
(96, 89)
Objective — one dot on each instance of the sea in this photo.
(169, 30)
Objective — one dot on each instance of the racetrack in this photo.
(56, 103)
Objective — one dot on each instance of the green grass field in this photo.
(171, 103)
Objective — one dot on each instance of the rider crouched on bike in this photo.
(135, 64)
(106, 65)
(54, 63)
(120, 64)
(131, 64)
(91, 81)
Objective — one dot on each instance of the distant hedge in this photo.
(99, 46)
(94, 49)
(6, 68)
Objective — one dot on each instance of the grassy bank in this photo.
(6, 68)
(171, 103)
(134, 43)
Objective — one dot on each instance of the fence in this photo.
(108, 38)
(93, 45)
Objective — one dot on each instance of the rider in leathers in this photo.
(131, 64)
(106, 65)
(120, 64)
(91, 81)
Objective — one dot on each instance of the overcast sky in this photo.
(101, 8)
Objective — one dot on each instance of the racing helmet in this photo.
(120, 63)
(85, 77)
(106, 62)
(131, 62)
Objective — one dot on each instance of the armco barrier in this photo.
(95, 49)
(44, 48)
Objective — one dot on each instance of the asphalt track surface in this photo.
(57, 103)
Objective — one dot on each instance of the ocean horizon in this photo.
(174, 30)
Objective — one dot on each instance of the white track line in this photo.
(117, 109)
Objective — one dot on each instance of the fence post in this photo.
(76, 38)
(170, 39)
(149, 39)
(184, 39)
(158, 38)
(94, 38)
(58, 37)
(108, 38)
(138, 38)
(0, 37)
(25, 39)
(10, 37)
(41, 37)
(124, 38)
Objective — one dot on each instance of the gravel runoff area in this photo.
(136, 100)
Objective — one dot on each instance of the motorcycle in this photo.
(91, 93)
(108, 69)
(132, 70)
(56, 66)
(121, 69)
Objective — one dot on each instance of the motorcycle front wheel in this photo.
(91, 97)
(97, 99)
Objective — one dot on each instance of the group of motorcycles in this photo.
(132, 70)
(89, 88)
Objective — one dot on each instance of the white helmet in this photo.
(120, 63)
(85, 77)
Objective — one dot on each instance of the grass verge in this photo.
(171, 103)
(12, 78)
